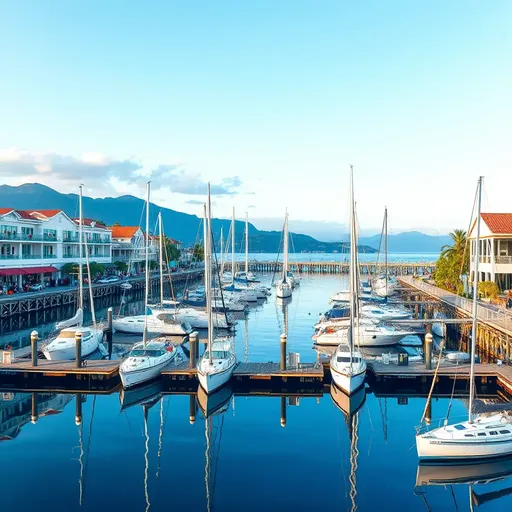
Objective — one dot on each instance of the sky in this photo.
(269, 100)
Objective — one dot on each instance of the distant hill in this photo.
(128, 210)
(411, 241)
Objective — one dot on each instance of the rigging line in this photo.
(434, 378)
(199, 228)
(89, 438)
(160, 438)
(216, 270)
(146, 457)
(217, 455)
(469, 229)
(454, 499)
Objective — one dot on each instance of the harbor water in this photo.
(150, 451)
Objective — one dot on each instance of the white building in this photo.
(128, 246)
(495, 249)
(34, 244)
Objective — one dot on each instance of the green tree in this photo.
(69, 269)
(172, 253)
(489, 289)
(121, 266)
(198, 253)
(96, 269)
(453, 262)
(153, 264)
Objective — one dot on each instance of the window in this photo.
(504, 431)
(493, 433)
(460, 427)
(50, 234)
(469, 435)
(482, 434)
(343, 359)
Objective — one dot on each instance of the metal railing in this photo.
(504, 259)
(9, 256)
(486, 312)
(22, 237)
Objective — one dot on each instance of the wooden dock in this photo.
(254, 375)
(63, 375)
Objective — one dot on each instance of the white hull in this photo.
(283, 291)
(348, 383)
(135, 325)
(211, 381)
(131, 377)
(199, 319)
(67, 352)
(438, 330)
(365, 339)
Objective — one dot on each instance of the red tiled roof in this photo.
(30, 214)
(46, 213)
(498, 223)
(123, 231)
(88, 222)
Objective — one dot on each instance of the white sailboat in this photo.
(146, 360)
(166, 324)
(482, 437)
(63, 346)
(284, 286)
(216, 366)
(383, 286)
(348, 368)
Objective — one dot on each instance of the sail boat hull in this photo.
(347, 383)
(212, 380)
(283, 291)
(486, 438)
(64, 349)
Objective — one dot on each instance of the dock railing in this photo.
(485, 312)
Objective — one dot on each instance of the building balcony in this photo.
(20, 237)
(9, 257)
(504, 260)
(71, 256)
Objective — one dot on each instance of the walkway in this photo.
(487, 313)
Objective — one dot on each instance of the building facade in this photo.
(495, 260)
(128, 246)
(35, 244)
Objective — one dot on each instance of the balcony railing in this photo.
(31, 256)
(22, 237)
(9, 256)
(73, 238)
(49, 256)
(70, 256)
(504, 259)
(497, 259)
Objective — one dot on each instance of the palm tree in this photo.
(460, 239)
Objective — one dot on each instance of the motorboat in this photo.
(383, 313)
(63, 347)
(369, 336)
(162, 322)
(146, 361)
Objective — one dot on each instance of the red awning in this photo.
(26, 270)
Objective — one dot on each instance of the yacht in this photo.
(284, 285)
(63, 347)
(348, 369)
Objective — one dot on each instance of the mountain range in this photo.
(128, 210)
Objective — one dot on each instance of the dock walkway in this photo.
(486, 313)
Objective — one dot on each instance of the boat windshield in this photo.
(141, 352)
(217, 354)
(71, 335)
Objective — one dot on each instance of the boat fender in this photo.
(170, 348)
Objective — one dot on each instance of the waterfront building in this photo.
(128, 246)
(35, 244)
(495, 249)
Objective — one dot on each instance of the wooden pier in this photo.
(252, 375)
(22, 303)
(339, 267)
(94, 375)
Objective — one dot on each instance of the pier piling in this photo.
(283, 411)
(283, 352)
(34, 336)
(192, 409)
(109, 332)
(428, 351)
(78, 349)
(78, 409)
(193, 349)
(34, 415)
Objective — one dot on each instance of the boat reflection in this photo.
(214, 407)
(18, 409)
(350, 406)
(484, 473)
(140, 395)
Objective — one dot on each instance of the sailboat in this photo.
(216, 366)
(383, 286)
(246, 276)
(156, 322)
(63, 347)
(348, 368)
(482, 437)
(146, 359)
(284, 286)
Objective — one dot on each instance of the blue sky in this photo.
(269, 100)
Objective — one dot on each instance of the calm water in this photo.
(305, 257)
(149, 456)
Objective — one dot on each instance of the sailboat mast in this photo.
(233, 247)
(352, 276)
(386, 247)
(475, 305)
(146, 297)
(285, 246)
(246, 244)
(160, 252)
(80, 248)
(221, 249)
(208, 245)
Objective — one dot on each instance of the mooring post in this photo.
(192, 409)
(109, 331)
(193, 349)
(283, 352)
(34, 336)
(283, 411)
(78, 409)
(428, 351)
(78, 349)
(35, 414)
